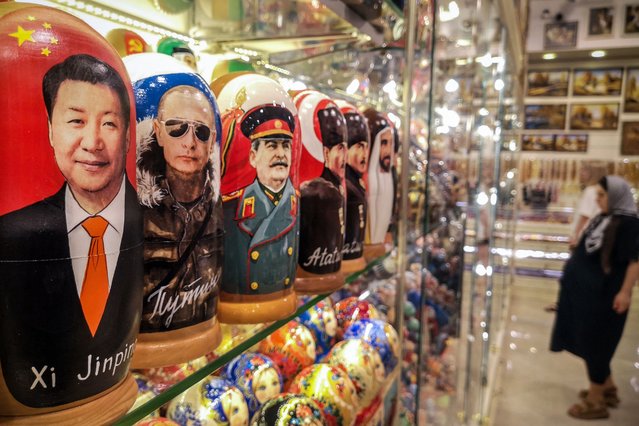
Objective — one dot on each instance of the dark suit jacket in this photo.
(355, 215)
(41, 319)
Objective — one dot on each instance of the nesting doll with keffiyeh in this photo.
(70, 223)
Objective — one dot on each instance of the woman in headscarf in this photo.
(595, 294)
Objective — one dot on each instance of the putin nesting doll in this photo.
(70, 224)
(178, 173)
(260, 154)
(323, 192)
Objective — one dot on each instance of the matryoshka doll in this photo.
(178, 49)
(70, 224)
(289, 409)
(178, 136)
(257, 376)
(363, 365)
(381, 336)
(291, 347)
(323, 193)
(320, 319)
(127, 42)
(350, 310)
(380, 190)
(261, 202)
(332, 389)
(356, 203)
(213, 402)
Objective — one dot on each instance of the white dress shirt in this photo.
(80, 240)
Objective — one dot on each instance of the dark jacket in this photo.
(355, 215)
(42, 326)
(190, 297)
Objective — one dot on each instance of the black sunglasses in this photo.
(178, 127)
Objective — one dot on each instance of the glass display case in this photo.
(447, 79)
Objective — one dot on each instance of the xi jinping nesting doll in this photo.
(356, 167)
(178, 173)
(260, 152)
(323, 191)
(70, 224)
(380, 190)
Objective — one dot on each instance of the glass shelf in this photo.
(238, 344)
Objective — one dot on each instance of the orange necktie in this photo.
(95, 286)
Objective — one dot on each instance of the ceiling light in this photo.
(549, 56)
(451, 85)
(598, 53)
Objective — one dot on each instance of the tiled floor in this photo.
(536, 386)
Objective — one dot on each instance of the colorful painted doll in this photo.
(381, 336)
(291, 347)
(257, 376)
(363, 365)
(323, 193)
(178, 135)
(380, 190)
(289, 409)
(321, 321)
(350, 310)
(260, 156)
(127, 42)
(212, 402)
(332, 389)
(70, 224)
(356, 204)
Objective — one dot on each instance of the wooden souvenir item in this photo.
(356, 204)
(180, 50)
(127, 42)
(178, 169)
(380, 191)
(323, 193)
(260, 155)
(70, 224)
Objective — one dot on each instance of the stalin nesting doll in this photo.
(356, 166)
(380, 190)
(323, 193)
(178, 134)
(260, 154)
(70, 223)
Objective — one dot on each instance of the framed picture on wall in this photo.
(630, 138)
(545, 116)
(600, 20)
(631, 21)
(594, 116)
(537, 143)
(560, 35)
(571, 143)
(548, 83)
(597, 82)
(631, 97)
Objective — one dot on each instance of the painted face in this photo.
(386, 149)
(335, 159)
(89, 139)
(185, 130)
(330, 323)
(272, 162)
(602, 199)
(358, 156)
(235, 408)
(266, 385)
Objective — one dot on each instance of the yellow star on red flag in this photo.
(23, 35)
(31, 18)
(53, 40)
(46, 26)
(45, 51)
